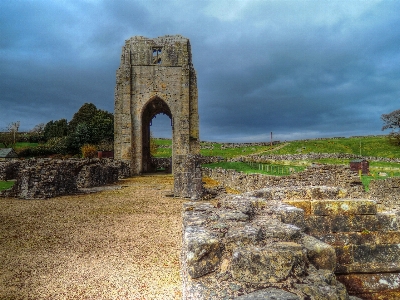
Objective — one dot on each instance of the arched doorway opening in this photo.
(154, 107)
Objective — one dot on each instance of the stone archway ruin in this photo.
(157, 76)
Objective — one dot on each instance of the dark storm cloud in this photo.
(298, 68)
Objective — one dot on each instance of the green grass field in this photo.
(376, 146)
(4, 185)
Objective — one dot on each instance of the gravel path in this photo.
(115, 244)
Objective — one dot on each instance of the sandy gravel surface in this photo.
(115, 244)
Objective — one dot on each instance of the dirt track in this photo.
(116, 244)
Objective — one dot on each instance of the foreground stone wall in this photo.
(46, 178)
(288, 242)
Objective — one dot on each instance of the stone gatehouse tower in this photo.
(157, 76)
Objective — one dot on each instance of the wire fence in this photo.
(274, 169)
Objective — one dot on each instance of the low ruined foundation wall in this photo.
(385, 192)
(46, 178)
(319, 175)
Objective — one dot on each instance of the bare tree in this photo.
(8, 137)
(13, 128)
(392, 121)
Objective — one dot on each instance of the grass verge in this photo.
(5, 185)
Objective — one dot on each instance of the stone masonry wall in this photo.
(46, 178)
(251, 247)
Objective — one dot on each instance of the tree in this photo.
(55, 129)
(81, 136)
(84, 115)
(90, 125)
(392, 121)
(102, 127)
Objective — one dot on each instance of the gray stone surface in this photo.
(203, 251)
(269, 264)
(269, 294)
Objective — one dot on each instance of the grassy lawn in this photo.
(23, 145)
(370, 146)
(4, 185)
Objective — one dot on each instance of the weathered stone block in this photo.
(238, 203)
(388, 221)
(305, 205)
(366, 253)
(343, 207)
(320, 254)
(363, 223)
(239, 237)
(373, 286)
(273, 263)
(275, 229)
(347, 238)
(203, 251)
(269, 294)
(291, 215)
(317, 224)
(233, 216)
(344, 254)
(323, 291)
(391, 237)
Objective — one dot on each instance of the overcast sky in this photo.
(299, 69)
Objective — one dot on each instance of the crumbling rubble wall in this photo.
(46, 178)
(318, 175)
